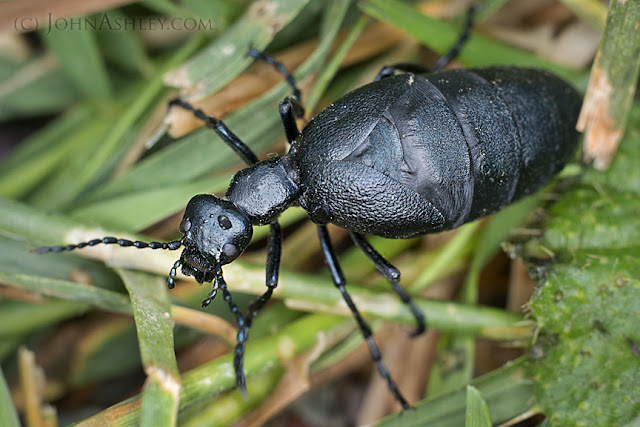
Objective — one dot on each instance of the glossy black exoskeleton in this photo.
(405, 155)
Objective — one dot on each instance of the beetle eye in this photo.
(224, 222)
(230, 250)
(185, 225)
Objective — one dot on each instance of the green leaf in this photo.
(587, 305)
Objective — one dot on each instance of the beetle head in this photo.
(214, 232)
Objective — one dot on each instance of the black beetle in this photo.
(405, 155)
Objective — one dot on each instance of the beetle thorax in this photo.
(265, 190)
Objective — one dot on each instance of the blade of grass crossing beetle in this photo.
(478, 51)
(302, 291)
(151, 311)
(227, 56)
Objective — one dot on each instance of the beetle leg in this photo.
(455, 49)
(274, 250)
(290, 109)
(392, 275)
(339, 281)
(221, 129)
(389, 70)
(279, 66)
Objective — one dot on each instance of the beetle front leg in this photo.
(243, 330)
(220, 128)
(274, 250)
(392, 275)
(340, 282)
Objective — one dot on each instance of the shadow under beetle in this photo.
(405, 155)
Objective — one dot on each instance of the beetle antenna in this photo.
(172, 246)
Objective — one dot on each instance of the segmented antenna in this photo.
(172, 275)
(172, 246)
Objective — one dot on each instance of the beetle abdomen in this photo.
(519, 127)
(468, 142)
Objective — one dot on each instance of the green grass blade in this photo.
(35, 88)
(41, 153)
(8, 414)
(479, 51)
(122, 47)
(477, 413)
(151, 308)
(78, 55)
(507, 392)
(70, 291)
(19, 318)
(145, 208)
(101, 149)
(226, 57)
(207, 381)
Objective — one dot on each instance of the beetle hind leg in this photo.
(340, 283)
(392, 275)
(390, 70)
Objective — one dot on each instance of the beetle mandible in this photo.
(405, 155)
